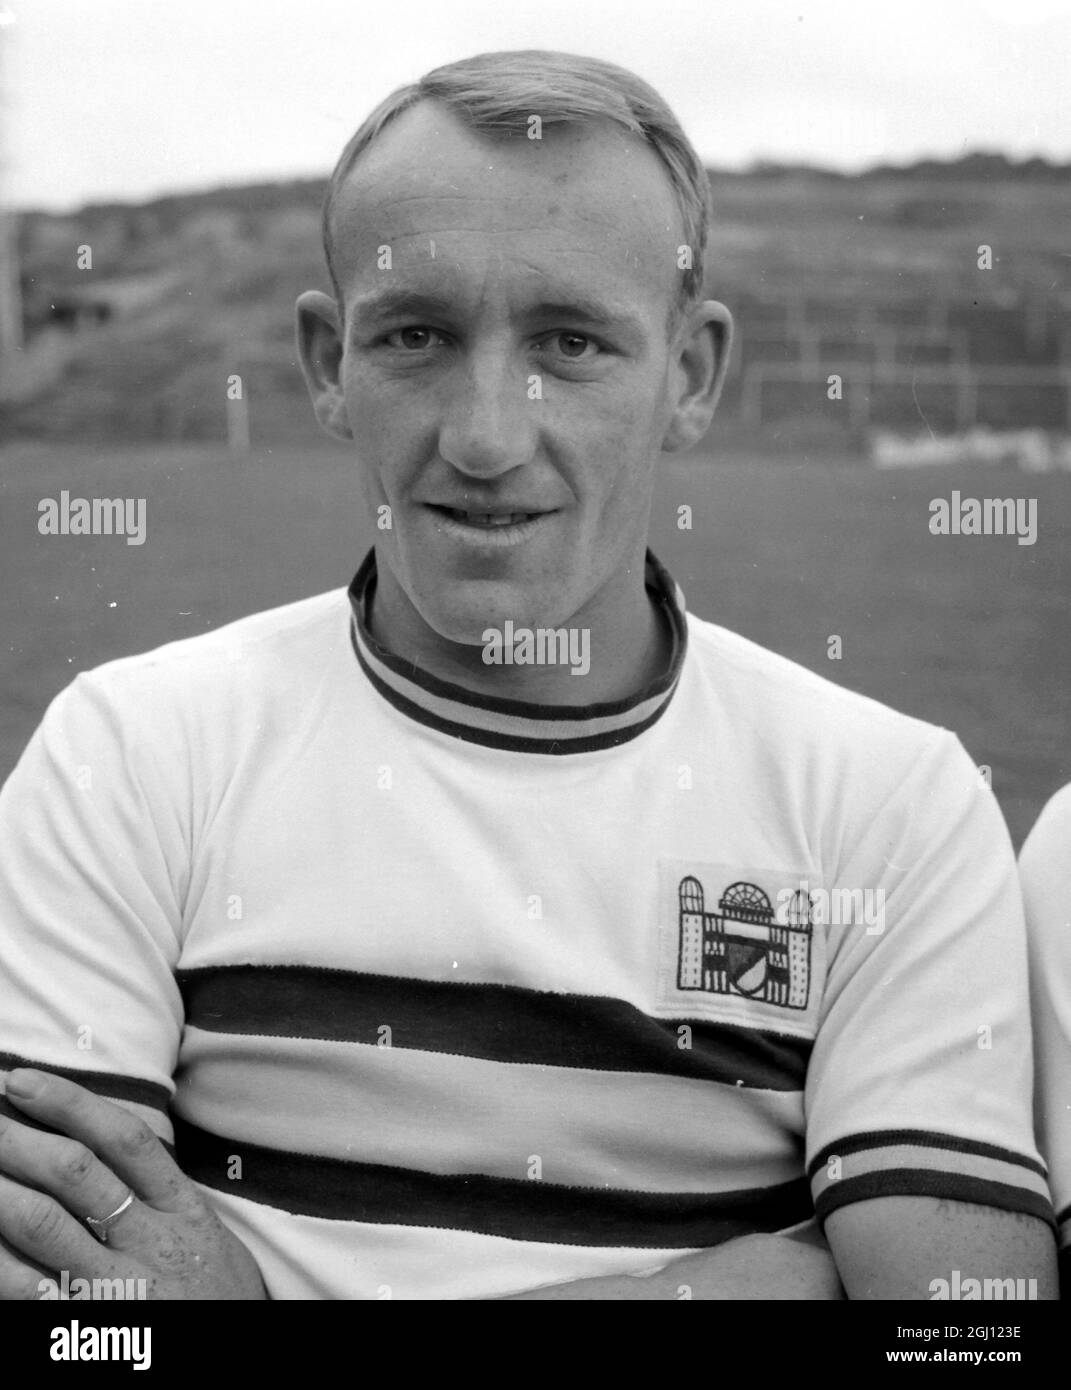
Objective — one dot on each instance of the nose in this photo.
(489, 425)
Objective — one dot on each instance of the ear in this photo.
(319, 343)
(704, 343)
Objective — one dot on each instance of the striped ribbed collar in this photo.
(517, 725)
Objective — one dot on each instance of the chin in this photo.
(462, 611)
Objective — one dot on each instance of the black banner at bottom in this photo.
(213, 1339)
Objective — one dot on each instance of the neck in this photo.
(630, 647)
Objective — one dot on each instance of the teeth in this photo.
(490, 519)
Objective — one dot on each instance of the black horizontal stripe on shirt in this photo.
(927, 1139)
(519, 1209)
(928, 1182)
(110, 1085)
(501, 1023)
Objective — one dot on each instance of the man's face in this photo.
(512, 360)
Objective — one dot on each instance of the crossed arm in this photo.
(883, 1248)
(891, 1247)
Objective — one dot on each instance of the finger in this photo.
(8, 1110)
(21, 1280)
(69, 1171)
(35, 1225)
(122, 1141)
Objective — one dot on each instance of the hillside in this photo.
(819, 267)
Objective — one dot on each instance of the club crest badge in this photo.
(738, 945)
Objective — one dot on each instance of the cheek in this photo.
(609, 432)
(626, 409)
(390, 433)
(374, 413)
(616, 443)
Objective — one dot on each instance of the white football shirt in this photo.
(443, 995)
(1045, 869)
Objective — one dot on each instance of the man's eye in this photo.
(413, 339)
(574, 345)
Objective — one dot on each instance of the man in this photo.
(1045, 870)
(476, 926)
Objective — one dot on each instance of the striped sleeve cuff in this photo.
(921, 1163)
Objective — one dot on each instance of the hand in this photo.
(50, 1183)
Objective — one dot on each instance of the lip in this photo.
(499, 508)
(489, 537)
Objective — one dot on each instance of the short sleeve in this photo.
(1045, 870)
(921, 1074)
(91, 855)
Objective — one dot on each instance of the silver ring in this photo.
(99, 1225)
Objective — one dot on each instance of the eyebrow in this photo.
(389, 302)
(386, 302)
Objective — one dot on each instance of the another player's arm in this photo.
(896, 1247)
(752, 1267)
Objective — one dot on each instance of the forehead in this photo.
(589, 207)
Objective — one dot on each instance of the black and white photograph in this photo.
(535, 705)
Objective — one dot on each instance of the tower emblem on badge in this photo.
(743, 949)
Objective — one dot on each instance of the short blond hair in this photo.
(498, 93)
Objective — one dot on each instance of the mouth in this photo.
(486, 520)
(481, 529)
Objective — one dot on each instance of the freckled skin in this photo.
(80, 1155)
(584, 212)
